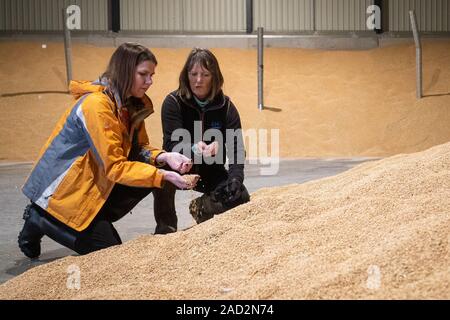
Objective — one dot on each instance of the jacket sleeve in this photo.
(172, 120)
(103, 132)
(235, 144)
(147, 152)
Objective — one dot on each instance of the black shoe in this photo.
(164, 229)
(204, 208)
(30, 237)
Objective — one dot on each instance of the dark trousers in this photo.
(164, 209)
(101, 233)
(164, 201)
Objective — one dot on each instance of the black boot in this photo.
(31, 235)
(205, 207)
(37, 224)
(162, 228)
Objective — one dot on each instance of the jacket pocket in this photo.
(70, 183)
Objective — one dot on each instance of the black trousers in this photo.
(101, 233)
(164, 209)
(164, 200)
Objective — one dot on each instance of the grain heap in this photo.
(332, 109)
(379, 230)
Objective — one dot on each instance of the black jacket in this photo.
(220, 114)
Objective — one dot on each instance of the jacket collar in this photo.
(146, 101)
(218, 102)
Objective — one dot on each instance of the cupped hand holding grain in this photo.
(181, 182)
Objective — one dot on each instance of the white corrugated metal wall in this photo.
(311, 15)
(214, 15)
(283, 15)
(46, 15)
(432, 15)
(183, 15)
(342, 15)
(229, 16)
(150, 15)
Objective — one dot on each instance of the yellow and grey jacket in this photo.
(87, 153)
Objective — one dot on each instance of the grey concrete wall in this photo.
(340, 42)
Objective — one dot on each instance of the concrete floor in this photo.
(141, 221)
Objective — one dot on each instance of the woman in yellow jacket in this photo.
(98, 164)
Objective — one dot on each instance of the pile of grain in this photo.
(379, 230)
(331, 103)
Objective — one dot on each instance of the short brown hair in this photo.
(122, 66)
(208, 61)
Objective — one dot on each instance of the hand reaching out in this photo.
(176, 161)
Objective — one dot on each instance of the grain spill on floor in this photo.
(379, 230)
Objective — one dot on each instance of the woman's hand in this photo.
(176, 161)
(207, 150)
(181, 182)
(211, 149)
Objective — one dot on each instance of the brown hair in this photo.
(122, 66)
(208, 61)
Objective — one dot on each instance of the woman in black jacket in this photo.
(202, 123)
